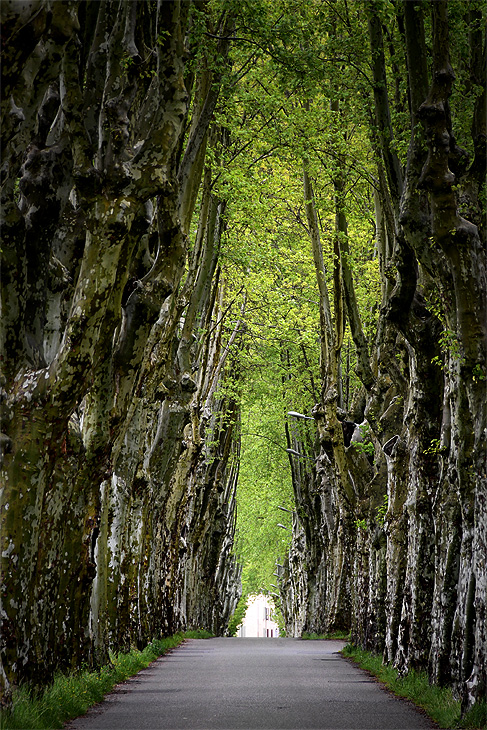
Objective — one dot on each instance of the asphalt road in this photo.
(252, 684)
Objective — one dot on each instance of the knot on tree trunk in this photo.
(431, 111)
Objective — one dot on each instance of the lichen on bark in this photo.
(416, 579)
(100, 484)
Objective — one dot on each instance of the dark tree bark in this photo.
(98, 190)
(418, 479)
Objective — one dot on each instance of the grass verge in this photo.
(338, 635)
(72, 695)
(437, 702)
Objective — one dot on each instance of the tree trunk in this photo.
(95, 503)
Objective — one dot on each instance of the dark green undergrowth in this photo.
(437, 702)
(72, 695)
(338, 635)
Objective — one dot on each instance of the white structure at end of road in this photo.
(258, 619)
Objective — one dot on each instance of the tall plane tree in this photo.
(413, 480)
(107, 108)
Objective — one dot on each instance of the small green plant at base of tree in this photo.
(476, 717)
(437, 702)
(72, 695)
(198, 634)
(334, 635)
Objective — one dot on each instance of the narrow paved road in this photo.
(252, 684)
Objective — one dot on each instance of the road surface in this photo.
(252, 684)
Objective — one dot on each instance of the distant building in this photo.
(258, 619)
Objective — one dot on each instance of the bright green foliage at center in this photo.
(264, 485)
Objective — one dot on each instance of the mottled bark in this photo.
(464, 295)
(382, 108)
(96, 501)
(418, 586)
(318, 569)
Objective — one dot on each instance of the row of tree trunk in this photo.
(390, 534)
(119, 463)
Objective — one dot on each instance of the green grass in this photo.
(476, 717)
(338, 635)
(71, 695)
(198, 634)
(437, 702)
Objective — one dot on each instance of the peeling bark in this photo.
(417, 589)
(98, 504)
